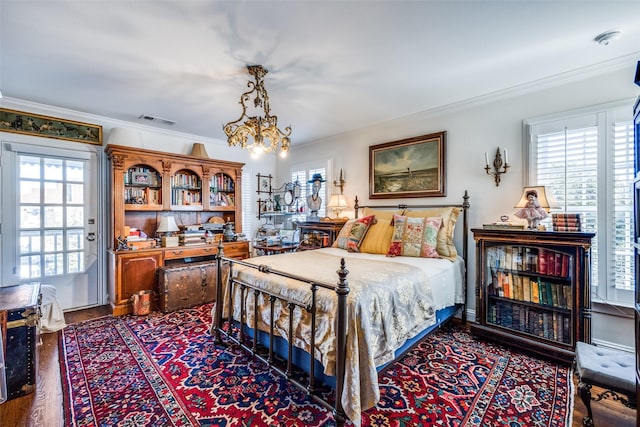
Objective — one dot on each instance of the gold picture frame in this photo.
(49, 127)
(412, 167)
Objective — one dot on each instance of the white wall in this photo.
(472, 128)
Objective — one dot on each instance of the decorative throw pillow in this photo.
(446, 248)
(345, 233)
(378, 237)
(416, 237)
(358, 231)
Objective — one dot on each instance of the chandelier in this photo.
(258, 133)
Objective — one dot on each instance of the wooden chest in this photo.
(187, 285)
(19, 315)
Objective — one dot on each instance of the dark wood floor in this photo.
(44, 407)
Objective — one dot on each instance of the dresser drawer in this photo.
(238, 250)
(183, 252)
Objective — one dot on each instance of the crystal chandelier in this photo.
(258, 133)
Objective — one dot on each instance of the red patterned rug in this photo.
(164, 370)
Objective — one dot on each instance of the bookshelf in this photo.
(532, 289)
(146, 185)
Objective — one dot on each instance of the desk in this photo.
(273, 249)
(319, 234)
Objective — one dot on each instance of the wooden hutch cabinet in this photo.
(145, 185)
(532, 289)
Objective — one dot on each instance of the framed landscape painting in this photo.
(412, 167)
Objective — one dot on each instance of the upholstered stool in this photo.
(613, 370)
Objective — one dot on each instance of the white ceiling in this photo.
(334, 66)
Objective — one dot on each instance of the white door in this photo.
(50, 222)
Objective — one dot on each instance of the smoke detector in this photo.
(605, 38)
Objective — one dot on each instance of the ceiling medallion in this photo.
(258, 133)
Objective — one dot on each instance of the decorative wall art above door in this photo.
(49, 127)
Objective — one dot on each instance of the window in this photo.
(586, 160)
(51, 216)
(303, 175)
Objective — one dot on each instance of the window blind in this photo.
(587, 163)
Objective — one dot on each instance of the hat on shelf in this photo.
(316, 177)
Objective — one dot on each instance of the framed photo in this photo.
(412, 167)
(49, 127)
(140, 178)
(264, 183)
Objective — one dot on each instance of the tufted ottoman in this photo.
(613, 370)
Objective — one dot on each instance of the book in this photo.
(503, 226)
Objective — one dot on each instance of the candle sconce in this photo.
(339, 182)
(498, 168)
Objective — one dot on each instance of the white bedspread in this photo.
(390, 301)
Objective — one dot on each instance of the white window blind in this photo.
(248, 208)
(303, 175)
(587, 162)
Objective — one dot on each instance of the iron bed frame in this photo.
(249, 342)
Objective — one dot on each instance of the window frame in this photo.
(605, 116)
(325, 191)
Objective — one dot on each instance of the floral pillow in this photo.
(350, 238)
(416, 237)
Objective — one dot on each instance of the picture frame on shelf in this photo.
(412, 167)
(140, 178)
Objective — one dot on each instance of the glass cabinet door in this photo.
(530, 290)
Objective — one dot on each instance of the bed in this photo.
(365, 315)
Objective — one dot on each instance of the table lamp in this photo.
(337, 202)
(534, 205)
(168, 226)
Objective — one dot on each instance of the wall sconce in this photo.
(499, 168)
(339, 182)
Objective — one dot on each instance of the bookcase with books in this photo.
(148, 186)
(532, 289)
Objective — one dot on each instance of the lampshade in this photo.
(198, 150)
(337, 202)
(545, 198)
(125, 136)
(167, 224)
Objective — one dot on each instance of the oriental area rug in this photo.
(164, 370)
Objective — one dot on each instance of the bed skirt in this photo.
(300, 357)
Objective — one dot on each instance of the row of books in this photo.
(527, 289)
(222, 199)
(185, 197)
(221, 182)
(550, 325)
(186, 180)
(566, 221)
(535, 260)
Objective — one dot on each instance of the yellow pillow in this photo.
(378, 238)
(445, 246)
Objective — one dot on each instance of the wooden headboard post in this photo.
(465, 234)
